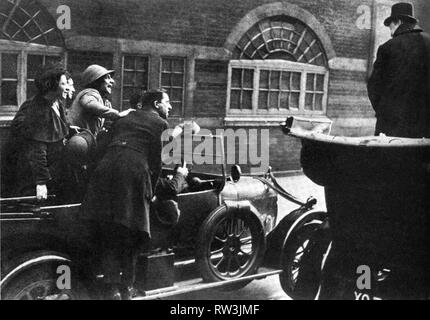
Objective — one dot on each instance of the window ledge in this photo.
(264, 121)
(5, 120)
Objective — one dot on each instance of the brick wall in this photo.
(348, 95)
(206, 22)
(423, 13)
(78, 61)
(211, 88)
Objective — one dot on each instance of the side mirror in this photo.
(236, 172)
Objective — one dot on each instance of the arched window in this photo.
(29, 38)
(279, 66)
(281, 38)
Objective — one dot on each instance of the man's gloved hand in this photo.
(183, 171)
(195, 128)
(187, 125)
(177, 131)
(41, 192)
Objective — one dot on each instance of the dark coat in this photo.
(122, 186)
(399, 85)
(34, 149)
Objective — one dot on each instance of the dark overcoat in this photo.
(122, 185)
(34, 150)
(399, 85)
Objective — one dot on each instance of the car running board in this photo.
(198, 285)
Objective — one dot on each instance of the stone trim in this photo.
(276, 9)
(105, 44)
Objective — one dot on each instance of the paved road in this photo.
(269, 288)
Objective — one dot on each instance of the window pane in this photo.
(178, 65)
(295, 84)
(8, 93)
(141, 79)
(165, 80)
(309, 101)
(235, 99)
(34, 62)
(166, 65)
(177, 80)
(264, 79)
(274, 80)
(262, 100)
(31, 89)
(236, 78)
(176, 95)
(294, 101)
(247, 99)
(273, 100)
(9, 65)
(52, 59)
(176, 108)
(310, 82)
(285, 80)
(284, 100)
(248, 78)
(142, 63)
(320, 82)
(128, 77)
(259, 41)
(127, 92)
(129, 62)
(318, 102)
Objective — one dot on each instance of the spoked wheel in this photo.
(301, 263)
(231, 245)
(40, 283)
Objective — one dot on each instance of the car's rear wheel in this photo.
(43, 281)
(231, 245)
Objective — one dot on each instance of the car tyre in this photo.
(231, 244)
(301, 262)
(39, 282)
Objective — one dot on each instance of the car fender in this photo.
(281, 234)
(303, 219)
(28, 261)
(245, 206)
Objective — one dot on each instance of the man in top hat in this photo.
(400, 82)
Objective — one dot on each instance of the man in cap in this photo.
(400, 82)
(91, 106)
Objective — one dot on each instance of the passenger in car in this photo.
(91, 106)
(165, 212)
(38, 133)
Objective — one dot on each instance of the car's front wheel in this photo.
(301, 261)
(231, 245)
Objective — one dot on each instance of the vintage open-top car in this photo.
(228, 229)
(375, 241)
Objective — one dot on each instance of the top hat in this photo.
(401, 10)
